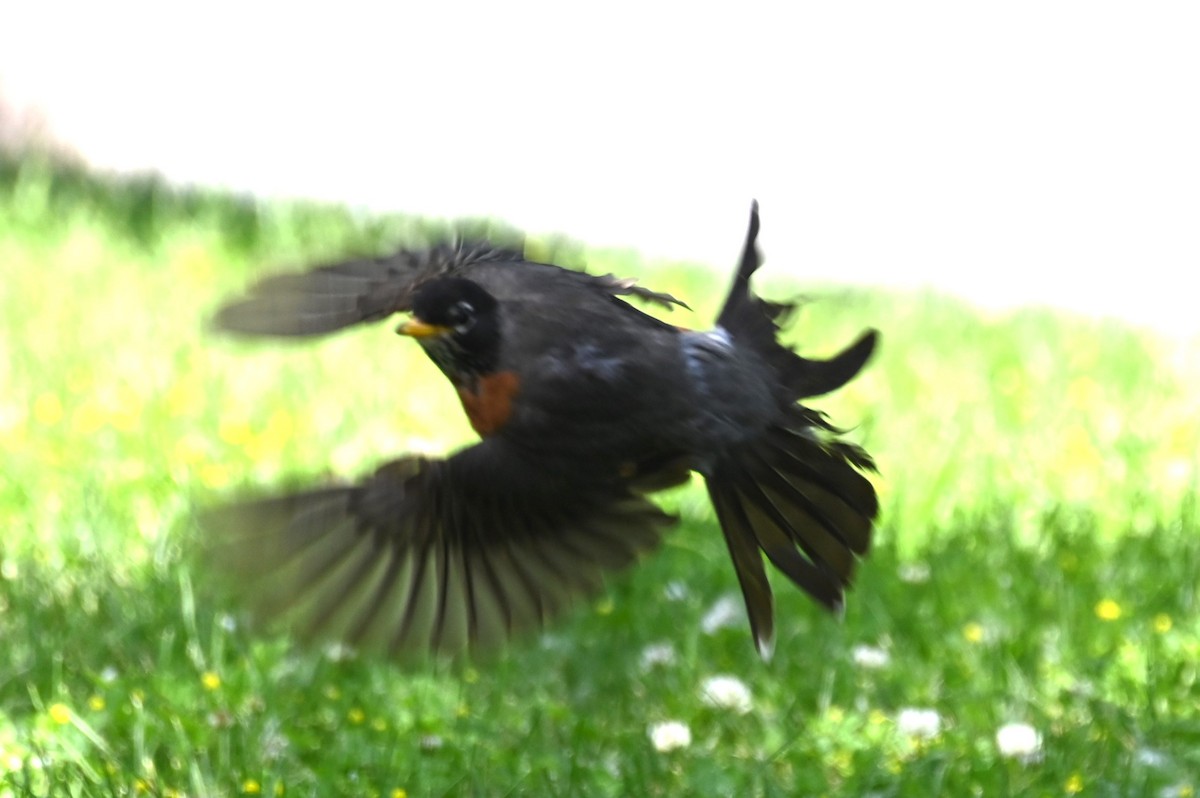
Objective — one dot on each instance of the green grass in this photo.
(1036, 560)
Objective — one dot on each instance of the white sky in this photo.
(1011, 152)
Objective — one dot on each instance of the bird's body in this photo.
(584, 404)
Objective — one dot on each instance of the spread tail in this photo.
(796, 492)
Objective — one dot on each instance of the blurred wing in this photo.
(432, 555)
(338, 295)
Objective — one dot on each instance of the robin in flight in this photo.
(584, 405)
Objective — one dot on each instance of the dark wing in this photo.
(432, 556)
(338, 295)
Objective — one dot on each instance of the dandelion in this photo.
(211, 680)
(356, 716)
(919, 723)
(669, 735)
(973, 632)
(47, 409)
(60, 714)
(1019, 741)
(96, 703)
(1162, 623)
(725, 612)
(870, 657)
(1074, 784)
(1148, 757)
(726, 692)
(251, 787)
(399, 792)
(675, 591)
(1108, 610)
(657, 654)
(914, 573)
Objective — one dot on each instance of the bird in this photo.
(584, 405)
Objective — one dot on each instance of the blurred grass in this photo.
(1037, 557)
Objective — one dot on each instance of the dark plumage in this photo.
(584, 404)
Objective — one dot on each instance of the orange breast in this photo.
(489, 405)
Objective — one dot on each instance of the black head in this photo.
(458, 324)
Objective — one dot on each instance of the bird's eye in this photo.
(461, 314)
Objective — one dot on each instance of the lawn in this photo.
(1026, 624)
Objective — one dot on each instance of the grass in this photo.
(1036, 562)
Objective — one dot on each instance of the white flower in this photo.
(109, 674)
(725, 612)
(657, 654)
(726, 692)
(1181, 790)
(871, 657)
(914, 573)
(1150, 758)
(676, 591)
(1019, 741)
(922, 723)
(669, 735)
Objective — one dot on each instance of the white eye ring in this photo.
(462, 314)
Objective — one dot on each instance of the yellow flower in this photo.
(973, 632)
(215, 475)
(1108, 610)
(96, 703)
(1162, 623)
(60, 714)
(47, 409)
(211, 680)
(235, 432)
(356, 716)
(1074, 784)
(251, 787)
(88, 419)
(399, 792)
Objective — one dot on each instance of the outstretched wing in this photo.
(337, 295)
(331, 297)
(432, 556)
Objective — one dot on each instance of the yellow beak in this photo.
(415, 328)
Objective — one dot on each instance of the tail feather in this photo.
(755, 322)
(747, 562)
(796, 495)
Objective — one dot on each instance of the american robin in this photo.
(584, 404)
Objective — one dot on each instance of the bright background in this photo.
(1013, 153)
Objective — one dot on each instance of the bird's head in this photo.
(457, 322)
